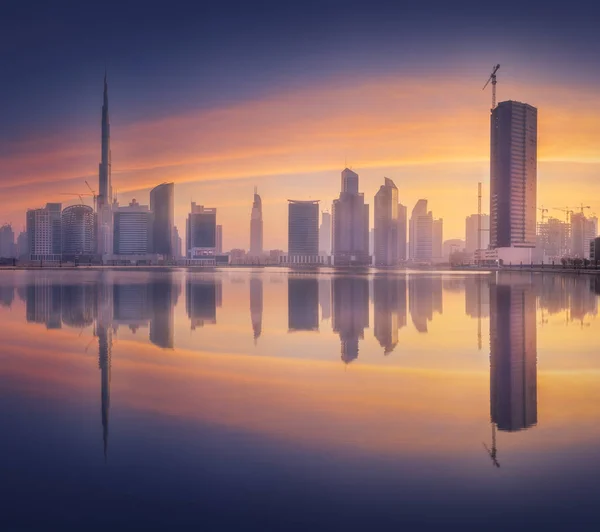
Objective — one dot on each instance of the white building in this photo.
(132, 230)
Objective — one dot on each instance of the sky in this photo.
(227, 95)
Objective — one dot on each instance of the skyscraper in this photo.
(133, 229)
(437, 239)
(583, 231)
(513, 175)
(162, 205)
(78, 231)
(472, 230)
(421, 233)
(350, 224)
(201, 232)
(325, 234)
(386, 224)
(303, 228)
(402, 230)
(256, 226)
(44, 232)
(105, 195)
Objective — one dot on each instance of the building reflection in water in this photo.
(425, 298)
(256, 306)
(389, 302)
(325, 298)
(513, 355)
(350, 313)
(303, 304)
(164, 294)
(43, 303)
(131, 305)
(202, 297)
(7, 295)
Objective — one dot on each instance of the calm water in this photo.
(243, 400)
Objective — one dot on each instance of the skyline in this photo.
(420, 119)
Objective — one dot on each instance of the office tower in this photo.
(164, 294)
(7, 242)
(350, 224)
(386, 224)
(402, 231)
(437, 240)
(201, 232)
(513, 357)
(553, 238)
(421, 233)
(256, 226)
(105, 193)
(176, 243)
(219, 239)
(202, 297)
(350, 297)
(325, 234)
(303, 228)
(133, 231)
(472, 230)
(162, 205)
(386, 292)
(78, 231)
(303, 304)
(44, 232)
(256, 305)
(513, 175)
(583, 231)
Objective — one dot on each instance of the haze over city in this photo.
(284, 97)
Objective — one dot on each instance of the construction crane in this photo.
(493, 452)
(80, 196)
(567, 212)
(581, 207)
(544, 212)
(93, 194)
(494, 81)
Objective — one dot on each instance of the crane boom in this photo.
(493, 79)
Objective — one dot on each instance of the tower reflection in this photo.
(389, 302)
(350, 313)
(256, 305)
(303, 304)
(513, 354)
(164, 295)
(202, 297)
(425, 297)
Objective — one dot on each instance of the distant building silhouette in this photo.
(583, 230)
(421, 233)
(350, 313)
(7, 242)
(386, 225)
(256, 226)
(350, 224)
(402, 232)
(513, 357)
(325, 234)
(303, 304)
(219, 239)
(437, 240)
(472, 230)
(513, 175)
(162, 205)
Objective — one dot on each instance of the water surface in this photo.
(267, 400)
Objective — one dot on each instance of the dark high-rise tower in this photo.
(104, 178)
(163, 207)
(105, 196)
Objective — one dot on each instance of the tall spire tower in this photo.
(105, 197)
(256, 226)
(105, 186)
